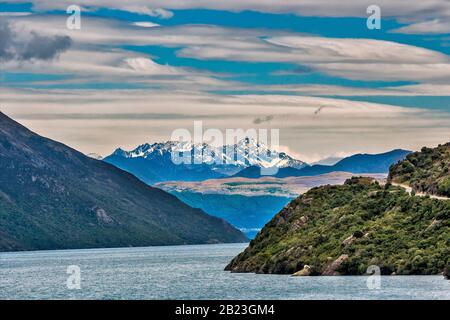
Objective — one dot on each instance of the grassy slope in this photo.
(426, 171)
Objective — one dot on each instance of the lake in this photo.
(185, 272)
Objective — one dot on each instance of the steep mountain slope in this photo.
(54, 197)
(358, 163)
(345, 229)
(153, 163)
(426, 171)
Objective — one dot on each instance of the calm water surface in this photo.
(185, 272)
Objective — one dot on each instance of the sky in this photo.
(137, 70)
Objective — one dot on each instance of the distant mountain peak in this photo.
(246, 152)
(153, 162)
(120, 152)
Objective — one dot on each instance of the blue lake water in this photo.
(185, 272)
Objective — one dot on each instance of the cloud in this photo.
(31, 46)
(94, 56)
(146, 24)
(6, 39)
(433, 72)
(14, 14)
(330, 8)
(425, 17)
(146, 10)
(44, 48)
(91, 121)
(435, 26)
(358, 59)
(147, 66)
(336, 50)
(117, 116)
(423, 89)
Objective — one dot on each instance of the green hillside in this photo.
(344, 229)
(426, 171)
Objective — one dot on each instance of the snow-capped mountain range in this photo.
(245, 153)
(155, 162)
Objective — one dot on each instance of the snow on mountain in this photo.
(94, 156)
(247, 152)
(185, 161)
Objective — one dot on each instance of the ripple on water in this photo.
(185, 272)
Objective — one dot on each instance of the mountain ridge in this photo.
(153, 163)
(54, 197)
(358, 164)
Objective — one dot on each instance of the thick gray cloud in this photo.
(30, 47)
(5, 41)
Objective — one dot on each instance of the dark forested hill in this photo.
(54, 197)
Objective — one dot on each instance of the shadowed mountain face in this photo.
(54, 197)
